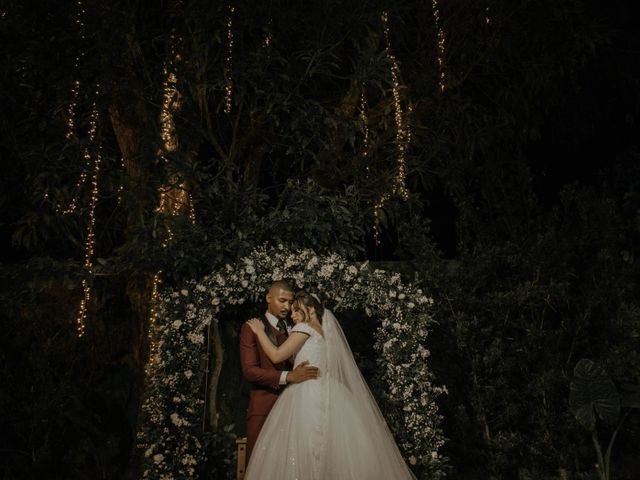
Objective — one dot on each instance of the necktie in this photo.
(282, 327)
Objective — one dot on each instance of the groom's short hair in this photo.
(280, 284)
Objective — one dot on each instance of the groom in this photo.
(267, 379)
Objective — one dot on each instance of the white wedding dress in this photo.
(330, 428)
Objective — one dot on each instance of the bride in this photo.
(329, 428)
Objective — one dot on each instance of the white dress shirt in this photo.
(273, 320)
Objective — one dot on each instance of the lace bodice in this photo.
(314, 349)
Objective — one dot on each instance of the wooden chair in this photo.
(241, 464)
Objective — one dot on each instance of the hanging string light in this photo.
(153, 320)
(170, 103)
(440, 55)
(75, 89)
(403, 134)
(364, 120)
(90, 241)
(228, 89)
(71, 109)
(173, 200)
(121, 186)
(402, 131)
(73, 204)
(71, 113)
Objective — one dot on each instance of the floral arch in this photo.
(170, 433)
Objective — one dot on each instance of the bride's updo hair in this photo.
(308, 300)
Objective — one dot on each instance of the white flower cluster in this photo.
(174, 397)
(170, 428)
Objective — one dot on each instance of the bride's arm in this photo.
(284, 351)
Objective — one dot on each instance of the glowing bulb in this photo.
(487, 17)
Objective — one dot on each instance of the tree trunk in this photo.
(127, 129)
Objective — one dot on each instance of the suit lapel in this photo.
(269, 330)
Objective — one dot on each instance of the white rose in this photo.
(175, 419)
(196, 338)
(326, 271)
(177, 323)
(158, 458)
(184, 292)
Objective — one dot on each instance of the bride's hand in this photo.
(256, 325)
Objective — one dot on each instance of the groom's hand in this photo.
(302, 372)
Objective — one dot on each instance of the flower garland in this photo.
(170, 433)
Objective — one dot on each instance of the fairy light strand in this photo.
(228, 89)
(120, 191)
(71, 113)
(71, 110)
(364, 120)
(441, 47)
(403, 134)
(90, 242)
(401, 122)
(170, 103)
(75, 89)
(172, 201)
(153, 320)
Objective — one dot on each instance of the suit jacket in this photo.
(259, 371)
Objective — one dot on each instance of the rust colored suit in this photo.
(264, 377)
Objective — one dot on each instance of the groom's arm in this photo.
(250, 361)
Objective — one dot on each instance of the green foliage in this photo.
(219, 447)
(67, 412)
(515, 316)
(593, 392)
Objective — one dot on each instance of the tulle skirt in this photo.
(315, 431)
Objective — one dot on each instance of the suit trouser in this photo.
(254, 425)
